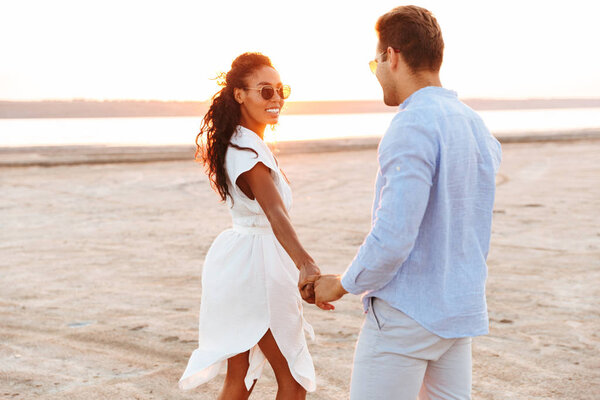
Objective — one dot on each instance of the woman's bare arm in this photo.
(258, 183)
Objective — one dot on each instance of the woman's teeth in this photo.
(273, 110)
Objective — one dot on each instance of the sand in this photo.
(100, 274)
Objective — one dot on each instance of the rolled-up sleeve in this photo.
(407, 163)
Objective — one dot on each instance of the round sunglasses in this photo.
(267, 92)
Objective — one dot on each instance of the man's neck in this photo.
(417, 82)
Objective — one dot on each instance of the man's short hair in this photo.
(415, 33)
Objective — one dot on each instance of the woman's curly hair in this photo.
(222, 118)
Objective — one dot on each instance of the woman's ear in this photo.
(239, 95)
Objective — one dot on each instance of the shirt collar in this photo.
(243, 131)
(426, 92)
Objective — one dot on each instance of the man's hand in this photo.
(328, 288)
(309, 273)
(306, 286)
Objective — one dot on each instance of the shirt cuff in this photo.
(348, 280)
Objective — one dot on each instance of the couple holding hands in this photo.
(421, 269)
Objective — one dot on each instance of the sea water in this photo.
(183, 130)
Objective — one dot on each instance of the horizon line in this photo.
(87, 99)
(82, 108)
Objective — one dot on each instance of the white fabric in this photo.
(396, 358)
(249, 284)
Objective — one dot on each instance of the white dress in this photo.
(249, 284)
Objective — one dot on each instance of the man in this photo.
(422, 268)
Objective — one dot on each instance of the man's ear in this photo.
(239, 95)
(394, 58)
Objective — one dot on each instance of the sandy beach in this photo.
(100, 274)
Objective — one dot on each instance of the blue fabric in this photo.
(431, 223)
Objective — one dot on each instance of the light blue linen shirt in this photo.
(431, 223)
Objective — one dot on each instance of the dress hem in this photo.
(184, 382)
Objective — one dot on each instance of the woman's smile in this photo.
(274, 111)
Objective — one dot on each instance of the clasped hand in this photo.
(319, 289)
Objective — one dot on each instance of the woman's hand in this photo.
(305, 286)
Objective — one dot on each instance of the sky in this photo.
(171, 50)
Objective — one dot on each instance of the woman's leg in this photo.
(234, 387)
(287, 387)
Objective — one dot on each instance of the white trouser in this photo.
(398, 359)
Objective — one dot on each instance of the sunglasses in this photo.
(267, 92)
(373, 63)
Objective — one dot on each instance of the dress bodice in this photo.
(246, 212)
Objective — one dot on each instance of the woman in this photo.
(251, 310)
